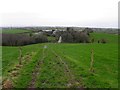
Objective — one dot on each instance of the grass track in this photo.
(80, 63)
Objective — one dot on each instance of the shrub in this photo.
(67, 37)
(72, 36)
(103, 41)
(40, 38)
(98, 41)
(92, 41)
(84, 38)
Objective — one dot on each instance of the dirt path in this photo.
(36, 71)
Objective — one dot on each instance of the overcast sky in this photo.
(82, 13)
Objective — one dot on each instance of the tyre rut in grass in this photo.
(36, 71)
(72, 82)
(51, 74)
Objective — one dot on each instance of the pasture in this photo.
(63, 65)
(14, 31)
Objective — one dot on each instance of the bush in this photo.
(40, 38)
(103, 41)
(72, 36)
(84, 38)
(67, 37)
(92, 41)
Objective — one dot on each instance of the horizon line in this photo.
(58, 26)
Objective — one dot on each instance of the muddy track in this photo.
(67, 72)
(36, 71)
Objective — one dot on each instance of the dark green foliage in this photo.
(30, 34)
(92, 41)
(72, 36)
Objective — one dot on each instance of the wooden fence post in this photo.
(20, 55)
(92, 61)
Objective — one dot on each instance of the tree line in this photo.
(22, 39)
(68, 36)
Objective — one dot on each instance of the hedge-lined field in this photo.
(51, 65)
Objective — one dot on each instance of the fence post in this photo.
(20, 55)
(92, 61)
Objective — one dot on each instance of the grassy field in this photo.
(14, 31)
(110, 38)
(63, 65)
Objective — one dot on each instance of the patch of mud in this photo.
(8, 84)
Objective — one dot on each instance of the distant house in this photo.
(47, 30)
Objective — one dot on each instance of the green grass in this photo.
(14, 31)
(51, 38)
(110, 38)
(10, 56)
(76, 56)
(52, 73)
(26, 72)
(105, 63)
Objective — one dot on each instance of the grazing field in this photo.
(14, 31)
(110, 38)
(52, 65)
